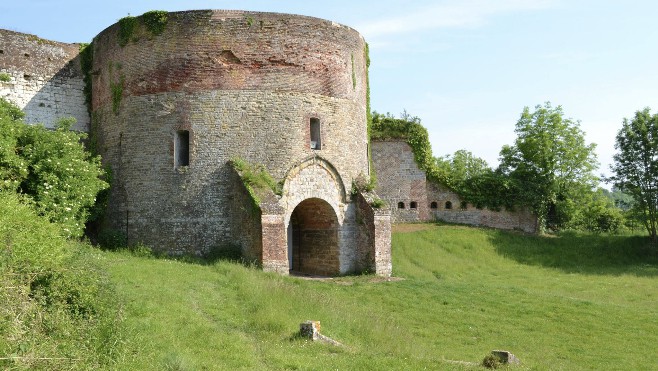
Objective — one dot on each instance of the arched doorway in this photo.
(313, 239)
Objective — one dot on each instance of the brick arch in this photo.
(318, 161)
(314, 247)
(313, 177)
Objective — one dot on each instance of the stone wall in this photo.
(243, 84)
(375, 255)
(45, 80)
(412, 198)
(169, 112)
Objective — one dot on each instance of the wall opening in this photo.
(182, 148)
(434, 205)
(400, 205)
(463, 205)
(413, 205)
(316, 140)
(448, 205)
(314, 232)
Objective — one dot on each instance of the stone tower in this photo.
(170, 110)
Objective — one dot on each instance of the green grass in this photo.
(561, 303)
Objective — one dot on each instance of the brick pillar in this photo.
(275, 248)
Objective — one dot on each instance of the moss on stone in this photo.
(256, 180)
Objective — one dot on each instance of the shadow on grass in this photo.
(581, 253)
(229, 254)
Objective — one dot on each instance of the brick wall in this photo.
(244, 85)
(45, 79)
(401, 183)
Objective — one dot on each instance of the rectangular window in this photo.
(182, 148)
(316, 142)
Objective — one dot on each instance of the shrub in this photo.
(50, 167)
(61, 311)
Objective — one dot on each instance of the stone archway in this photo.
(313, 239)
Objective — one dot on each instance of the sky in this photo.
(466, 68)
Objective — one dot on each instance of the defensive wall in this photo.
(170, 110)
(412, 198)
(43, 78)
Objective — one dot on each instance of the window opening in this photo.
(434, 205)
(400, 205)
(316, 141)
(448, 205)
(413, 205)
(182, 148)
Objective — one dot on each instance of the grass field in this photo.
(560, 303)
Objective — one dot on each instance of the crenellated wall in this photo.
(45, 79)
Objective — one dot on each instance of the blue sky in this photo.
(465, 67)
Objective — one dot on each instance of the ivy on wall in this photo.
(373, 174)
(155, 22)
(86, 65)
(409, 129)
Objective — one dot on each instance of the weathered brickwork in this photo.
(44, 79)
(243, 85)
(170, 112)
(412, 198)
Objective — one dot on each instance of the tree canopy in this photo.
(549, 163)
(635, 166)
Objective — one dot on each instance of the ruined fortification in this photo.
(413, 198)
(43, 78)
(186, 108)
(170, 110)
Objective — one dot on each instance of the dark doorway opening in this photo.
(313, 239)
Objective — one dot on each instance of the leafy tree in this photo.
(595, 212)
(635, 166)
(549, 164)
(473, 180)
(51, 167)
(457, 169)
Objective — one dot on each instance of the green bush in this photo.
(50, 167)
(58, 309)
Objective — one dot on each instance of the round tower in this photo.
(177, 96)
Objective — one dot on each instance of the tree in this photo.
(635, 166)
(457, 169)
(549, 163)
(473, 180)
(50, 167)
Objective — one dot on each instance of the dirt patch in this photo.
(347, 280)
(411, 227)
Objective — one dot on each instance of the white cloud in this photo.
(449, 14)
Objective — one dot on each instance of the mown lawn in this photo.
(561, 303)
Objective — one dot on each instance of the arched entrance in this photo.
(313, 239)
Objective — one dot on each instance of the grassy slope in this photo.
(558, 303)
